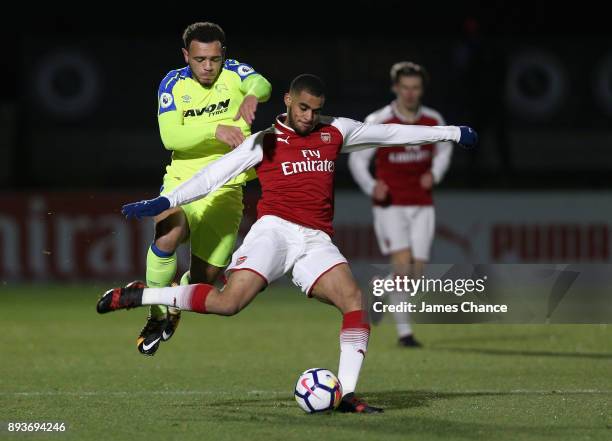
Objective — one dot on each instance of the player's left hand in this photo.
(469, 137)
(247, 109)
(148, 208)
(427, 180)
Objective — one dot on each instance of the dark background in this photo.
(78, 102)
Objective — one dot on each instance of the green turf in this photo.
(232, 378)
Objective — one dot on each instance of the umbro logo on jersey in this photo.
(212, 109)
(186, 98)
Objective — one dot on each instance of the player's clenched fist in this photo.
(229, 135)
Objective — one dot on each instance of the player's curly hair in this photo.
(308, 82)
(408, 69)
(206, 32)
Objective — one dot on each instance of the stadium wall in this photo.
(83, 236)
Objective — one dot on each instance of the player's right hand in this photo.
(148, 208)
(426, 180)
(229, 135)
(380, 192)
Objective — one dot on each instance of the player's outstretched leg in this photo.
(339, 288)
(120, 298)
(241, 288)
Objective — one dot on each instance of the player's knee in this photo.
(168, 239)
(167, 243)
(169, 233)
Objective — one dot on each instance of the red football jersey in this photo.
(401, 167)
(297, 175)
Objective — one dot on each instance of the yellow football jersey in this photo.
(189, 113)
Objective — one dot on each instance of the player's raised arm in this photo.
(253, 86)
(256, 90)
(358, 136)
(208, 179)
(257, 86)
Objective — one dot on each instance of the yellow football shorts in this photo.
(213, 221)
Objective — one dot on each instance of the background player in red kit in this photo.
(401, 192)
(295, 161)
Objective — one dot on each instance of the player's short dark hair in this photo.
(308, 82)
(206, 32)
(408, 69)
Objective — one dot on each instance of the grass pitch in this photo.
(232, 378)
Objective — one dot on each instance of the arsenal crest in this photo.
(240, 260)
(326, 137)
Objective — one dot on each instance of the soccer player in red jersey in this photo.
(401, 191)
(295, 161)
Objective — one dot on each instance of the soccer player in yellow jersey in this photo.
(205, 109)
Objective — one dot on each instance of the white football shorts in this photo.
(274, 246)
(400, 227)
